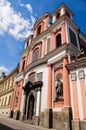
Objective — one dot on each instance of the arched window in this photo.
(58, 40)
(35, 55)
(9, 101)
(31, 77)
(39, 30)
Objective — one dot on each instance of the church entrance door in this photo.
(30, 107)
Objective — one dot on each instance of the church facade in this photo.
(45, 94)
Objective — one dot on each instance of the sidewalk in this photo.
(17, 125)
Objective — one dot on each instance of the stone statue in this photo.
(59, 90)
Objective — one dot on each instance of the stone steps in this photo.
(28, 122)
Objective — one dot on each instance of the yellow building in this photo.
(6, 91)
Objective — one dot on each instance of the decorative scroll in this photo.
(73, 76)
(81, 73)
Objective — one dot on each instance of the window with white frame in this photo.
(48, 45)
(73, 39)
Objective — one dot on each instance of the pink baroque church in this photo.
(50, 88)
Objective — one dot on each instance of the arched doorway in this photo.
(30, 110)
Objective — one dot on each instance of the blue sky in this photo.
(16, 21)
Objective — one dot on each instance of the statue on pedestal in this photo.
(59, 90)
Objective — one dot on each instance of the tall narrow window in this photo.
(2, 102)
(48, 45)
(58, 40)
(35, 55)
(5, 101)
(72, 37)
(39, 30)
(9, 101)
(23, 66)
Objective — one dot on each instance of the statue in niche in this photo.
(59, 90)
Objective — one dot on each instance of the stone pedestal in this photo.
(48, 118)
(16, 115)
(75, 125)
(83, 125)
(22, 117)
(41, 119)
(11, 114)
(62, 119)
(35, 120)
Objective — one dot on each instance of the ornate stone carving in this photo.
(73, 76)
(81, 73)
(80, 54)
(17, 98)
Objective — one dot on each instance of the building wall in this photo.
(6, 92)
(48, 51)
(41, 69)
(5, 107)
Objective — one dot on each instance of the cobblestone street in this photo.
(10, 124)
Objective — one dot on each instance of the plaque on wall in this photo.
(73, 76)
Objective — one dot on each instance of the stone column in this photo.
(66, 86)
(75, 96)
(48, 110)
(38, 103)
(66, 111)
(49, 95)
(81, 75)
(20, 94)
(23, 103)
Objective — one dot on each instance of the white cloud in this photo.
(13, 22)
(28, 6)
(3, 69)
(33, 19)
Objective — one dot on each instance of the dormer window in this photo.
(39, 30)
(58, 40)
